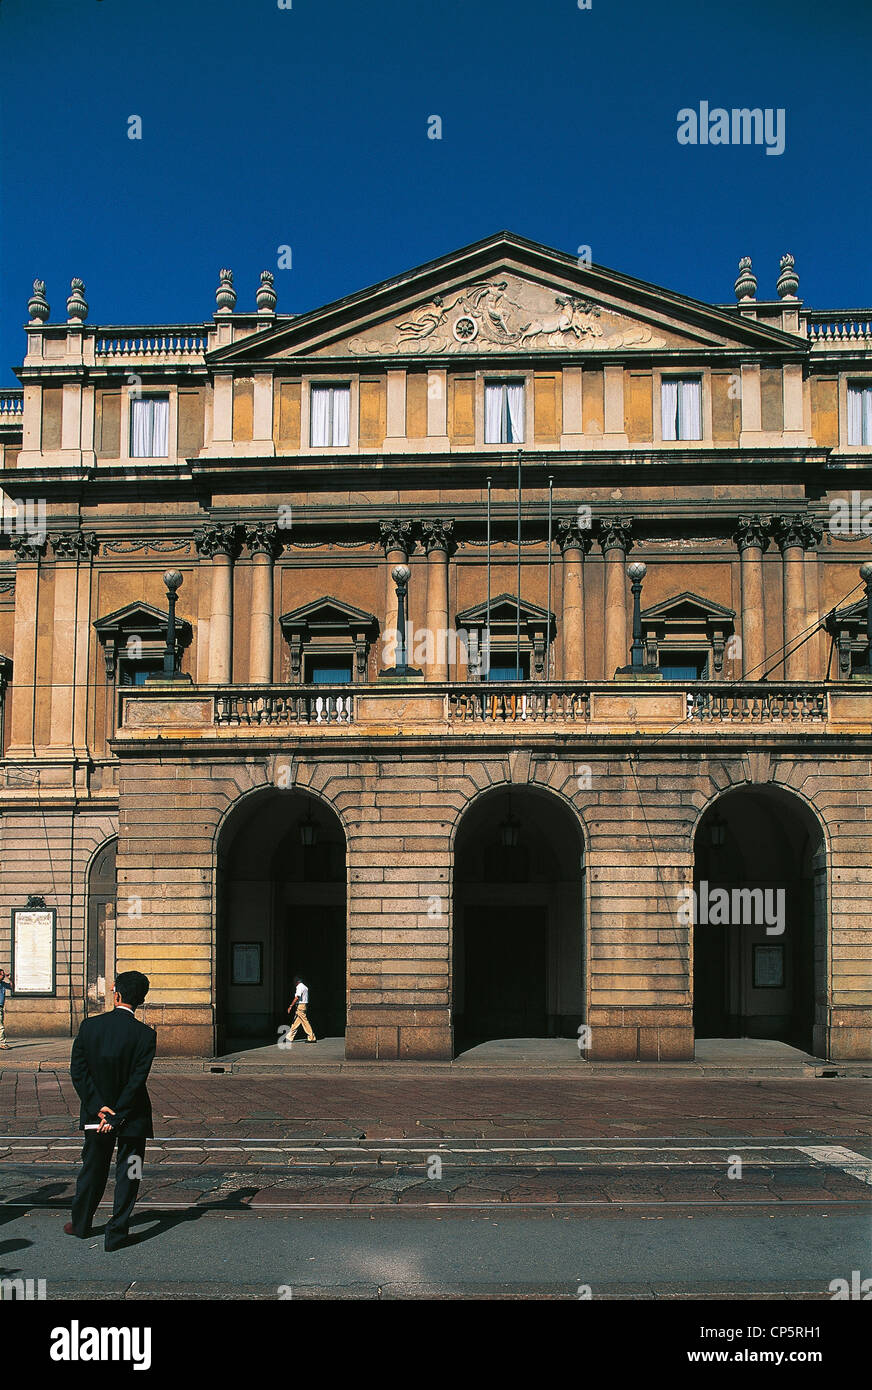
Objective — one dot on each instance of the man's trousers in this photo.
(96, 1158)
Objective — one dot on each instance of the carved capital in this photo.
(752, 532)
(222, 539)
(795, 532)
(75, 545)
(571, 536)
(27, 548)
(616, 535)
(397, 534)
(438, 535)
(262, 538)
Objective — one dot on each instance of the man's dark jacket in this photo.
(111, 1059)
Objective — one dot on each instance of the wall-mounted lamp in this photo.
(308, 831)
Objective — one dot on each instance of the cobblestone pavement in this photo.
(518, 1106)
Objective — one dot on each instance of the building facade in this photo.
(415, 732)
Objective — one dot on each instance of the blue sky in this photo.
(307, 127)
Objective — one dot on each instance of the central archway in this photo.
(280, 912)
(518, 948)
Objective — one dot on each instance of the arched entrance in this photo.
(102, 890)
(281, 912)
(759, 955)
(518, 953)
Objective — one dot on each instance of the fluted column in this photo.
(220, 544)
(438, 542)
(574, 545)
(397, 539)
(28, 553)
(263, 541)
(751, 537)
(795, 535)
(71, 639)
(616, 542)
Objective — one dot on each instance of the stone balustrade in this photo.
(11, 402)
(848, 329)
(173, 710)
(170, 344)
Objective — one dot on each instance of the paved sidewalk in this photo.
(381, 1105)
(739, 1057)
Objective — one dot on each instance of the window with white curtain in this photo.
(150, 427)
(860, 414)
(681, 407)
(331, 412)
(504, 412)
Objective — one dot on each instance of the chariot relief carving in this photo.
(504, 312)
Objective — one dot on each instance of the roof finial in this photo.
(266, 293)
(225, 295)
(37, 305)
(746, 281)
(788, 280)
(77, 307)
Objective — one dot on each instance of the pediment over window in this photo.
(505, 294)
(138, 633)
(687, 632)
(327, 634)
(503, 611)
(847, 627)
(324, 616)
(688, 607)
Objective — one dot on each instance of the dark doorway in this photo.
(518, 939)
(760, 921)
(506, 951)
(102, 890)
(281, 913)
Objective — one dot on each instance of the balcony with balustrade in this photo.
(529, 711)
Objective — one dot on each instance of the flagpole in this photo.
(487, 636)
(548, 637)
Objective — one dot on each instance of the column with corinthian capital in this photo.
(616, 541)
(69, 690)
(795, 535)
(220, 544)
(752, 538)
(263, 541)
(398, 541)
(574, 544)
(438, 542)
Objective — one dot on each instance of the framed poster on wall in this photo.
(769, 967)
(33, 950)
(247, 966)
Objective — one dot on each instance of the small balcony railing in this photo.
(269, 707)
(760, 704)
(516, 703)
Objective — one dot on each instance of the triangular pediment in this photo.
(687, 607)
(506, 296)
(328, 615)
(140, 619)
(503, 608)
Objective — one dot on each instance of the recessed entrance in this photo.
(760, 920)
(281, 913)
(518, 960)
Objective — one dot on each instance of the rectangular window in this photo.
(321, 672)
(860, 414)
(138, 672)
(683, 666)
(331, 412)
(149, 427)
(504, 412)
(504, 668)
(681, 407)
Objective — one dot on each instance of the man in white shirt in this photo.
(301, 999)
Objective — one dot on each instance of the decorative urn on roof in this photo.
(788, 280)
(225, 295)
(37, 305)
(746, 282)
(266, 293)
(77, 306)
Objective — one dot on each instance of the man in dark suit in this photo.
(110, 1062)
